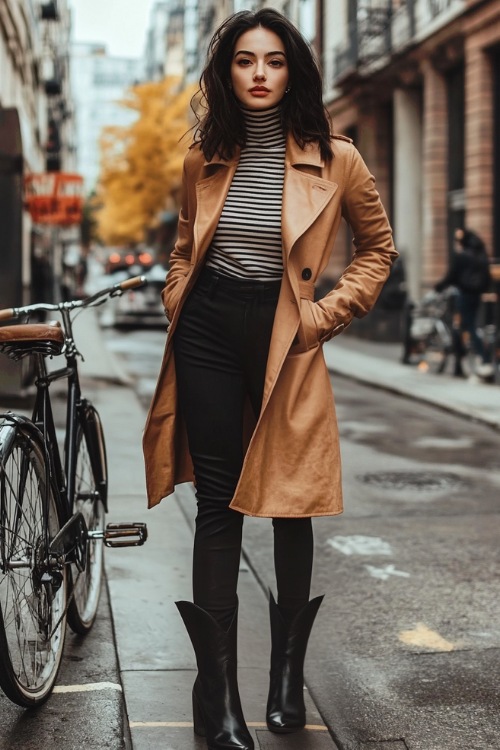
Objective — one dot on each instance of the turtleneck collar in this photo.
(263, 125)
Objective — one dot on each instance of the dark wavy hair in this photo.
(222, 126)
(471, 241)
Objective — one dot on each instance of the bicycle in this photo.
(435, 342)
(429, 340)
(52, 507)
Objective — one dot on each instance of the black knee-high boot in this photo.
(217, 711)
(286, 711)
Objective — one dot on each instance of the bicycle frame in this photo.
(52, 508)
(42, 416)
(80, 414)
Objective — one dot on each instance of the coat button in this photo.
(306, 274)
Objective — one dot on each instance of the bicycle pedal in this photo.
(125, 534)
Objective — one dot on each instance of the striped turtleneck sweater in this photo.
(247, 241)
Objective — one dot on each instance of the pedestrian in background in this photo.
(244, 405)
(469, 272)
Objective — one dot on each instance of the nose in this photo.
(259, 74)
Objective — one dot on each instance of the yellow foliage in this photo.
(141, 164)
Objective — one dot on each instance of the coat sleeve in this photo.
(180, 257)
(361, 282)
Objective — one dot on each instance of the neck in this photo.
(254, 115)
(263, 125)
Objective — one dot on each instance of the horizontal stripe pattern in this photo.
(247, 242)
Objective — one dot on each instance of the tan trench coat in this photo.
(292, 463)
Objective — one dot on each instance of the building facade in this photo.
(99, 84)
(36, 135)
(172, 40)
(156, 42)
(417, 86)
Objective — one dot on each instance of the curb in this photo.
(460, 411)
(443, 398)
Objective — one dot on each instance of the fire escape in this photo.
(368, 38)
(55, 71)
(370, 30)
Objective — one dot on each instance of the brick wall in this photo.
(435, 175)
(482, 32)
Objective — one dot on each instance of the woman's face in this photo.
(458, 239)
(259, 69)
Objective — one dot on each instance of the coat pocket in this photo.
(171, 295)
(306, 337)
(314, 329)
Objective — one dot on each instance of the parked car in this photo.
(124, 260)
(137, 307)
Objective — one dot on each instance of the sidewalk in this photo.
(378, 365)
(156, 661)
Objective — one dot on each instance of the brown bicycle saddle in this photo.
(19, 340)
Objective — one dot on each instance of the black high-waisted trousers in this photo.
(221, 345)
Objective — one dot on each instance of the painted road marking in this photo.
(445, 443)
(360, 545)
(88, 688)
(189, 724)
(424, 637)
(168, 724)
(386, 572)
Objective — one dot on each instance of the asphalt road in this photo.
(405, 651)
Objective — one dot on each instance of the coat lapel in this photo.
(304, 195)
(211, 195)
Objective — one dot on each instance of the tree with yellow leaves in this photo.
(141, 164)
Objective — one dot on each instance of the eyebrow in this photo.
(268, 54)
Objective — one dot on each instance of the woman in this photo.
(243, 403)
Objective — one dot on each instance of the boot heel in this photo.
(198, 721)
(217, 712)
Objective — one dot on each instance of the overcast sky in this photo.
(120, 24)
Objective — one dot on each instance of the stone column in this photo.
(408, 185)
(435, 176)
(479, 137)
(374, 143)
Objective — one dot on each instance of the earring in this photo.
(287, 90)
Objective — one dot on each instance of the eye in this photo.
(243, 62)
(277, 63)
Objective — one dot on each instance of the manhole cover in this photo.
(422, 481)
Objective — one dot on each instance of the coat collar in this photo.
(218, 161)
(310, 154)
(304, 195)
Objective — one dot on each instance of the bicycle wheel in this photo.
(86, 583)
(33, 587)
(436, 352)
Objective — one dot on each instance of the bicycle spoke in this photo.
(32, 607)
(34, 576)
(87, 501)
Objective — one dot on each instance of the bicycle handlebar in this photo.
(133, 283)
(110, 291)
